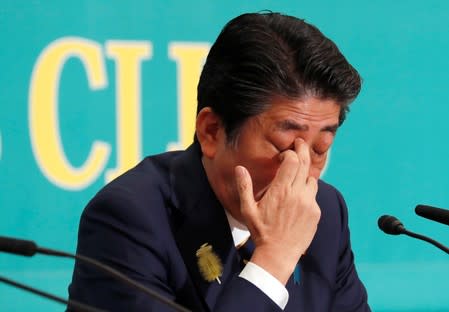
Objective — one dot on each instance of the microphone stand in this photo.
(29, 248)
(116, 274)
(392, 226)
(73, 304)
(426, 239)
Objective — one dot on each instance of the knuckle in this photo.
(242, 187)
(316, 212)
(303, 158)
(279, 190)
(312, 184)
(290, 157)
(311, 207)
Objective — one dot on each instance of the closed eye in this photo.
(319, 153)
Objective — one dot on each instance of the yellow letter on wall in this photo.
(43, 112)
(128, 56)
(189, 58)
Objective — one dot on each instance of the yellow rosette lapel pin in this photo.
(209, 264)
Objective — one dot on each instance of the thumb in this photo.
(244, 188)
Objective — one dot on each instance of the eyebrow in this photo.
(289, 124)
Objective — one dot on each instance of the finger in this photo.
(312, 185)
(303, 153)
(287, 170)
(245, 190)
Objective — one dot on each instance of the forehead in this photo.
(309, 110)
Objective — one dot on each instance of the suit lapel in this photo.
(202, 220)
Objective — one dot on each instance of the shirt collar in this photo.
(239, 231)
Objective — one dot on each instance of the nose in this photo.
(318, 147)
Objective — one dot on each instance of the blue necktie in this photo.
(246, 251)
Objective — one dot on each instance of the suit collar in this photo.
(203, 220)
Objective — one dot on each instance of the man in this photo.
(271, 97)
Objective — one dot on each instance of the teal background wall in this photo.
(391, 154)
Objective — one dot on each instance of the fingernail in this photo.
(239, 171)
(281, 157)
(299, 141)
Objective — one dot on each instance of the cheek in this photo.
(262, 171)
(317, 165)
(315, 172)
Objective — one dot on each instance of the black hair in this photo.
(259, 57)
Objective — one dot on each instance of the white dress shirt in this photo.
(253, 273)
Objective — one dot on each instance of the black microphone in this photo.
(18, 246)
(433, 213)
(391, 225)
(72, 304)
(29, 248)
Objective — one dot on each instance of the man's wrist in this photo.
(280, 266)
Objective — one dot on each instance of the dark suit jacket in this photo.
(150, 222)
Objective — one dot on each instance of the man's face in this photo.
(263, 137)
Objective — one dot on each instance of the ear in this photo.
(209, 131)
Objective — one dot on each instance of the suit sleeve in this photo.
(242, 295)
(350, 294)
